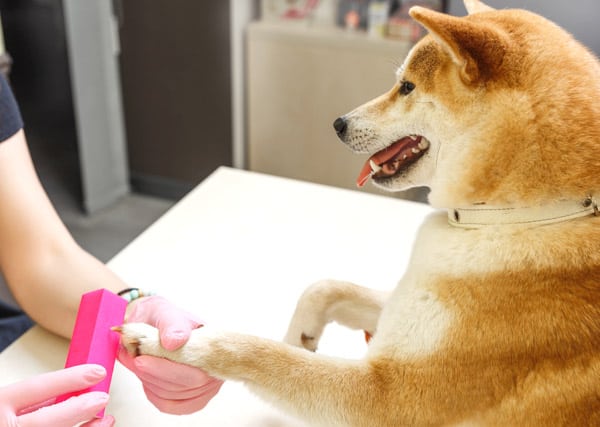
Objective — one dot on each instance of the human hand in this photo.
(172, 387)
(30, 403)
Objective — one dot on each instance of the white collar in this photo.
(480, 216)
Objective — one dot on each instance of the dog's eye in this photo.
(406, 87)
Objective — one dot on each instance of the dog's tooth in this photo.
(404, 157)
(423, 144)
(413, 137)
(415, 150)
(374, 166)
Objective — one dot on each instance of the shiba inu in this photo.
(497, 318)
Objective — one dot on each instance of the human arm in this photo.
(30, 403)
(47, 272)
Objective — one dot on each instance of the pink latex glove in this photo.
(172, 387)
(30, 403)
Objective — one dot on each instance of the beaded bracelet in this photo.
(131, 294)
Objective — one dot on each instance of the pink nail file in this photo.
(93, 341)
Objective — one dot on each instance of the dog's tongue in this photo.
(380, 158)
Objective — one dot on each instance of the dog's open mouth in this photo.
(393, 159)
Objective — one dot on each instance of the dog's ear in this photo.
(475, 6)
(474, 46)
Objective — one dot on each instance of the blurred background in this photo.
(129, 104)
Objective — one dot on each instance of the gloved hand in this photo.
(30, 403)
(172, 387)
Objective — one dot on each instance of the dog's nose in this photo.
(340, 126)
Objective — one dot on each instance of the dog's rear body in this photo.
(497, 319)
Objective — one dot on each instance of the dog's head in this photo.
(498, 107)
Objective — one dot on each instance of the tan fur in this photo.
(496, 326)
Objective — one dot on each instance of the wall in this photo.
(176, 82)
(66, 82)
(579, 17)
(242, 12)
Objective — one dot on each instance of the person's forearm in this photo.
(46, 270)
(51, 290)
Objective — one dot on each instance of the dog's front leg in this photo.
(319, 389)
(328, 301)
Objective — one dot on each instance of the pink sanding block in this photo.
(93, 341)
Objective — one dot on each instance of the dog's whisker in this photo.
(396, 64)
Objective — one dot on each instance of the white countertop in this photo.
(238, 251)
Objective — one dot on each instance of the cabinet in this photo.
(299, 80)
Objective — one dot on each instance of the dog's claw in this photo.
(308, 342)
(131, 338)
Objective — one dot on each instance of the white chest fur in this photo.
(414, 320)
(412, 324)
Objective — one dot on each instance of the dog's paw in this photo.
(203, 346)
(140, 338)
(309, 321)
(299, 334)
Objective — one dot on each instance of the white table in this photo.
(238, 251)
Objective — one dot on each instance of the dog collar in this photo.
(481, 216)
